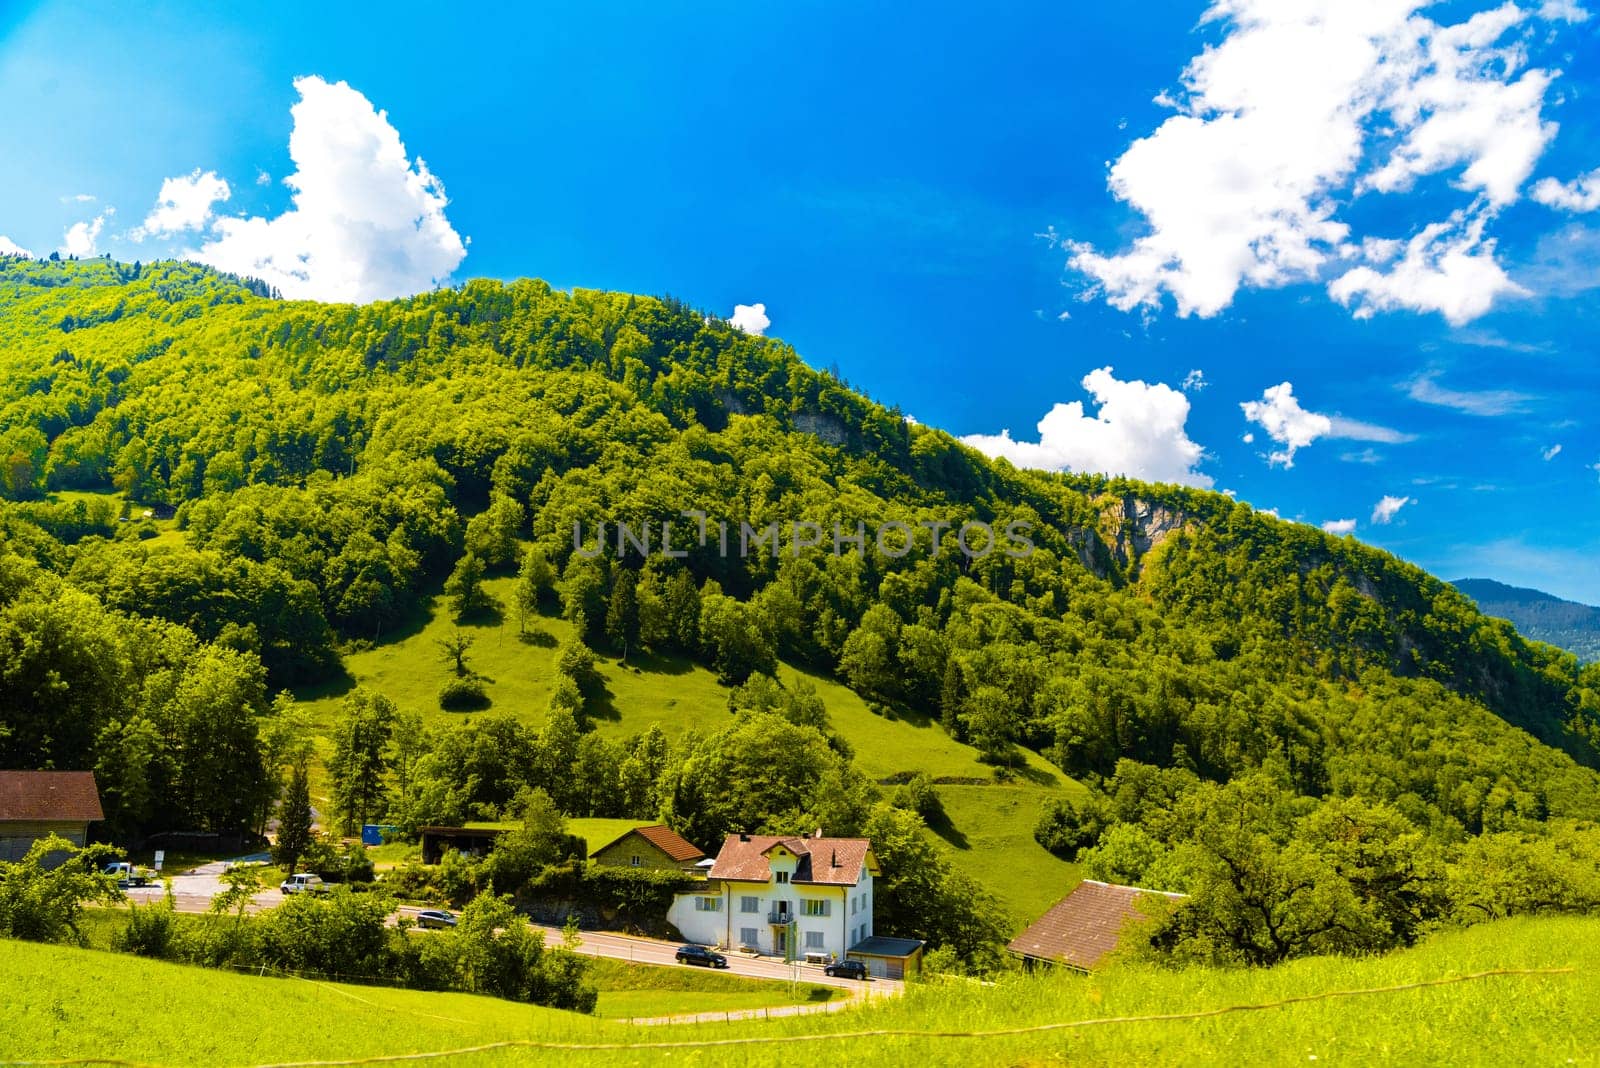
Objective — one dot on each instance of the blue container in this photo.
(373, 833)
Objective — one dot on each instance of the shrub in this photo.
(463, 695)
(152, 930)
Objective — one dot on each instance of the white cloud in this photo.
(751, 318)
(81, 237)
(79, 198)
(1487, 402)
(1551, 453)
(1195, 381)
(1580, 194)
(1302, 107)
(1138, 431)
(263, 178)
(1563, 11)
(183, 204)
(9, 247)
(1340, 526)
(366, 223)
(1280, 414)
(1448, 268)
(1388, 507)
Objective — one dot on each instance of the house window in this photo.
(817, 908)
(783, 876)
(635, 860)
(747, 936)
(749, 904)
(708, 904)
(854, 902)
(813, 939)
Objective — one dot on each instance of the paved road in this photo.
(193, 890)
(652, 951)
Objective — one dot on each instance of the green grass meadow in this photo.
(70, 1003)
(990, 828)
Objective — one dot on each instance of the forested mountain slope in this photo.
(1566, 624)
(330, 464)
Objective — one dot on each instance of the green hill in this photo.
(70, 1003)
(333, 492)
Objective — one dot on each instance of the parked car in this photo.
(846, 969)
(692, 954)
(435, 918)
(126, 874)
(304, 883)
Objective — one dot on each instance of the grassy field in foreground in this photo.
(74, 1003)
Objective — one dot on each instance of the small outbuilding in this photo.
(468, 841)
(888, 958)
(37, 804)
(1084, 927)
(656, 846)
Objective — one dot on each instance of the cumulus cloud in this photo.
(1340, 526)
(9, 247)
(1580, 194)
(1301, 109)
(1449, 268)
(1488, 402)
(1551, 453)
(366, 222)
(1286, 422)
(1138, 430)
(81, 238)
(1388, 507)
(184, 203)
(751, 318)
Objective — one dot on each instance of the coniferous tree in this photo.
(294, 819)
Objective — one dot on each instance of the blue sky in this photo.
(972, 213)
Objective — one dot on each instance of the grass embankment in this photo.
(72, 1003)
(642, 991)
(991, 826)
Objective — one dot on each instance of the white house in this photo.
(806, 897)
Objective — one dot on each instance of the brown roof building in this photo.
(1086, 925)
(655, 846)
(745, 858)
(37, 804)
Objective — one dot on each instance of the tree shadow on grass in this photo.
(601, 703)
(940, 825)
(659, 663)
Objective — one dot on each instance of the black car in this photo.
(846, 969)
(435, 918)
(701, 955)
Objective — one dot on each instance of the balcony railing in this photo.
(780, 916)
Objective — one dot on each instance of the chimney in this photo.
(818, 834)
(744, 838)
(835, 858)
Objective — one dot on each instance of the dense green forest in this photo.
(1282, 722)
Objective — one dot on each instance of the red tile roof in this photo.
(664, 838)
(49, 797)
(1084, 926)
(825, 861)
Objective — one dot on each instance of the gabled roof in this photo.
(664, 838)
(1083, 927)
(822, 861)
(49, 796)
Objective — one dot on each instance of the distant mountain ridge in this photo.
(1542, 616)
